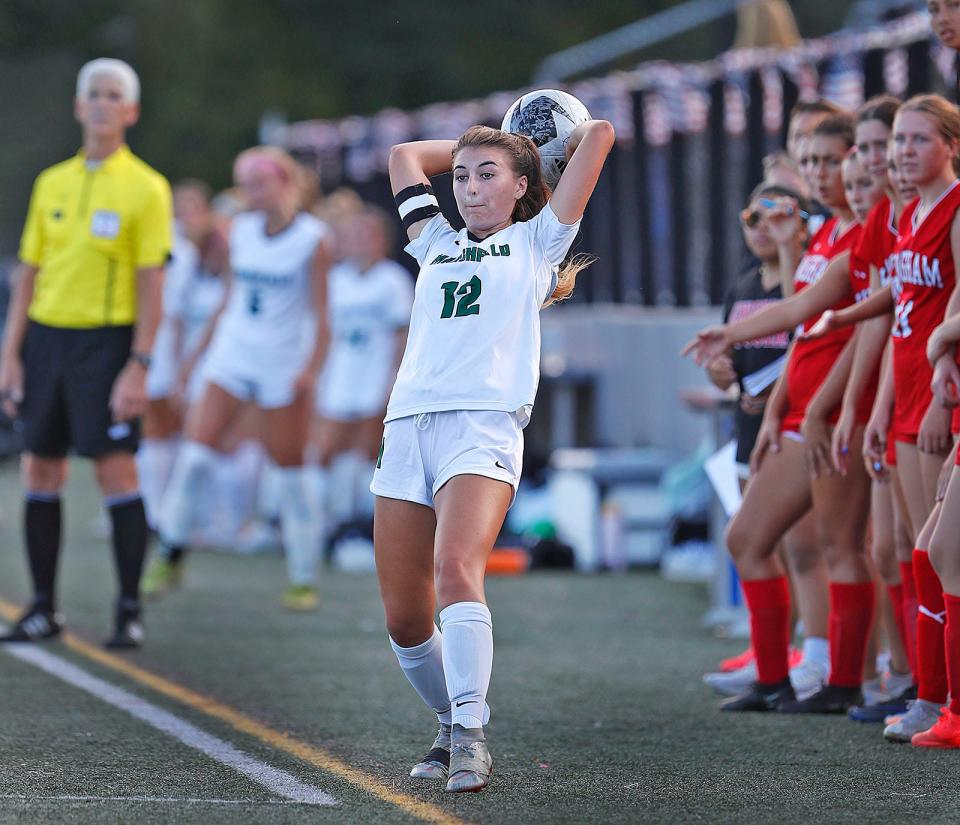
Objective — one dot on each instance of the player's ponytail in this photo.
(525, 160)
(530, 205)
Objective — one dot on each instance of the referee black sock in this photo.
(130, 533)
(41, 522)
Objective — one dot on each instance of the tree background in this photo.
(210, 68)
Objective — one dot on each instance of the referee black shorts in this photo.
(68, 377)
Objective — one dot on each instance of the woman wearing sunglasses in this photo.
(763, 285)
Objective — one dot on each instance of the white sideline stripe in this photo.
(273, 779)
(19, 797)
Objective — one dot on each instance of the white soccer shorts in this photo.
(268, 385)
(421, 453)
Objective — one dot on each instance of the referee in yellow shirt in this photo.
(81, 324)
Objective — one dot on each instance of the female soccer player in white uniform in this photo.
(452, 449)
(192, 293)
(278, 287)
(369, 298)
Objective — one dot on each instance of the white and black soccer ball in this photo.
(547, 117)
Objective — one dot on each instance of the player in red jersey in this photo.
(944, 544)
(764, 284)
(926, 141)
(785, 488)
(870, 270)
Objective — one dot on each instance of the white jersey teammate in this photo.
(192, 292)
(261, 354)
(370, 298)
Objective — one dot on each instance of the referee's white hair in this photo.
(114, 68)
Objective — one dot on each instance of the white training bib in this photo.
(474, 341)
(270, 302)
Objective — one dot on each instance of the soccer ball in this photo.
(547, 117)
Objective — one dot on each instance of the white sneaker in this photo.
(436, 764)
(808, 677)
(733, 682)
(921, 715)
(470, 767)
(874, 691)
(897, 683)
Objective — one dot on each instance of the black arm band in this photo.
(416, 203)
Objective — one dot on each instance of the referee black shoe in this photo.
(36, 624)
(128, 632)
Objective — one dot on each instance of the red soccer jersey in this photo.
(877, 242)
(875, 247)
(811, 361)
(926, 277)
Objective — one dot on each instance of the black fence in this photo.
(691, 141)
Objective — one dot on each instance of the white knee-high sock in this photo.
(299, 525)
(155, 460)
(316, 479)
(423, 667)
(268, 496)
(249, 458)
(467, 631)
(190, 473)
(340, 496)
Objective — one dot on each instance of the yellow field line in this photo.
(246, 724)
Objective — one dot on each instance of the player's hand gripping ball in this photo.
(547, 117)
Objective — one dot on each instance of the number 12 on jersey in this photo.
(467, 305)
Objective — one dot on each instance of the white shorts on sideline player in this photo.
(422, 452)
(352, 402)
(266, 382)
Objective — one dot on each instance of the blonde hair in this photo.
(944, 114)
(277, 160)
(525, 161)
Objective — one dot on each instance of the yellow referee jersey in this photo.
(89, 228)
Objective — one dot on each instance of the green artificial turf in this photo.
(599, 712)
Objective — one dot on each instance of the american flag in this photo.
(843, 81)
(896, 72)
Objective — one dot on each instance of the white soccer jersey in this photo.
(270, 302)
(474, 340)
(162, 375)
(365, 311)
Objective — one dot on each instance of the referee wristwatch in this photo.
(141, 358)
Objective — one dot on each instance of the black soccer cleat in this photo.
(37, 624)
(830, 699)
(128, 632)
(761, 698)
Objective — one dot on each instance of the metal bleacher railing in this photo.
(691, 139)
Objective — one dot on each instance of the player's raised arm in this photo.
(587, 149)
(411, 166)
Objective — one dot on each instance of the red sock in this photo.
(769, 603)
(951, 641)
(909, 614)
(931, 668)
(895, 592)
(851, 617)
